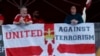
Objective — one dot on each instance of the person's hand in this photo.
(22, 21)
(1, 22)
(74, 22)
(30, 22)
(17, 23)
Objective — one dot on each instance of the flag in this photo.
(76, 40)
(49, 40)
(23, 40)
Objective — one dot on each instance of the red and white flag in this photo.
(23, 40)
(76, 40)
(49, 40)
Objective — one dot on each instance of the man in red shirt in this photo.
(23, 17)
(1, 19)
(37, 18)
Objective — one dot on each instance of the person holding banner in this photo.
(74, 18)
(1, 19)
(23, 17)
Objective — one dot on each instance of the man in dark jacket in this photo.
(74, 18)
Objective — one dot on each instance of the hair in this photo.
(73, 6)
(23, 7)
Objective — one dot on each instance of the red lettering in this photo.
(8, 35)
(33, 33)
(39, 32)
(15, 34)
(27, 31)
(21, 34)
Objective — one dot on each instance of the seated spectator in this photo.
(1, 17)
(23, 17)
(74, 18)
(37, 18)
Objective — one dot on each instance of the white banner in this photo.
(49, 40)
(75, 40)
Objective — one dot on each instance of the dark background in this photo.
(53, 12)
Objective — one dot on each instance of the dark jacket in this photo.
(76, 16)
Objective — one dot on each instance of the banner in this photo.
(78, 40)
(49, 40)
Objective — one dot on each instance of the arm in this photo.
(16, 20)
(67, 20)
(80, 20)
(29, 20)
(1, 20)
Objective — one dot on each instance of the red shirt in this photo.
(1, 17)
(38, 20)
(26, 18)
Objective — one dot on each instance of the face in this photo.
(73, 10)
(36, 13)
(23, 11)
